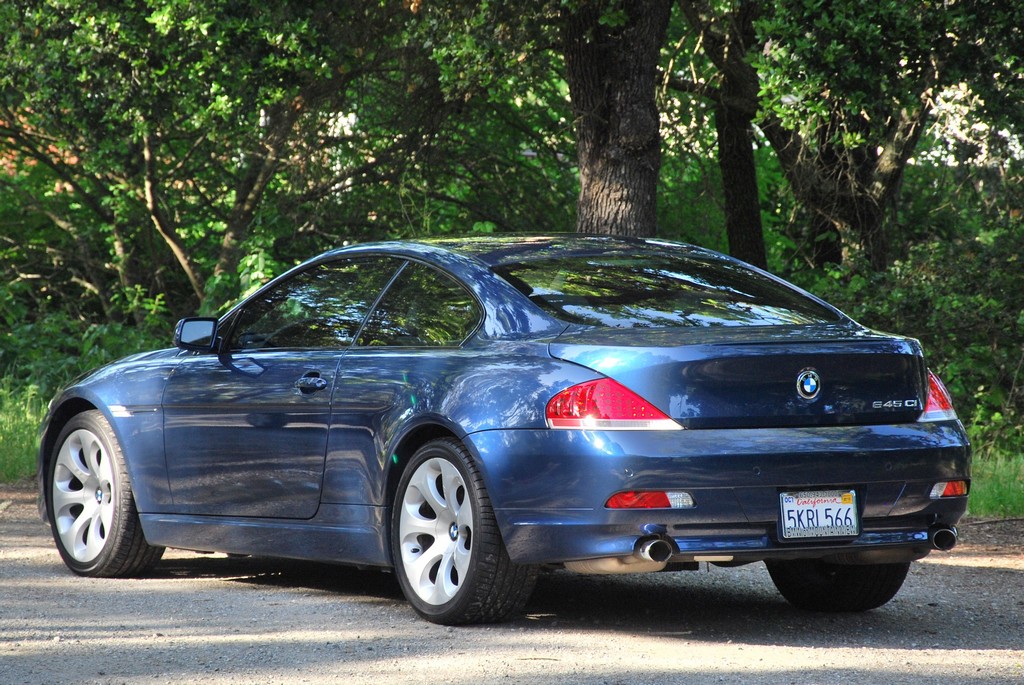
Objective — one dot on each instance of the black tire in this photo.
(817, 585)
(90, 504)
(450, 560)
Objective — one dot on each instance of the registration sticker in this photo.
(821, 514)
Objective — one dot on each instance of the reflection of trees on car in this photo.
(423, 307)
(688, 290)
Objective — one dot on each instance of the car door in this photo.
(402, 365)
(246, 429)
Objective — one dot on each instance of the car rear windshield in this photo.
(647, 290)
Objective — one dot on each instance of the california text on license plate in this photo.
(821, 514)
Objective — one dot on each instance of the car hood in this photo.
(748, 376)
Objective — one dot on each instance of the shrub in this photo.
(964, 300)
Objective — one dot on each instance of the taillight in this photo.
(939, 405)
(605, 405)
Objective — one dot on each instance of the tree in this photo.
(166, 126)
(843, 92)
(167, 147)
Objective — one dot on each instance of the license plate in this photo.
(823, 514)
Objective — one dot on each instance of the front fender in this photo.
(128, 393)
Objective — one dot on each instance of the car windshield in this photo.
(659, 289)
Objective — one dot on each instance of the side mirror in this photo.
(196, 334)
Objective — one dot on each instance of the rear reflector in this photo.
(953, 488)
(650, 500)
(939, 405)
(605, 404)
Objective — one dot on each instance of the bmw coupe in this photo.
(469, 413)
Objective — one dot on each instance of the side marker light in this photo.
(954, 488)
(653, 499)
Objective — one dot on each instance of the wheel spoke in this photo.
(64, 499)
(99, 463)
(73, 460)
(415, 524)
(75, 530)
(463, 547)
(425, 573)
(99, 525)
(452, 483)
(425, 483)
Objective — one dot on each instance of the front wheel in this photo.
(90, 504)
(449, 557)
(817, 585)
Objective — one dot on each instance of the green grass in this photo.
(997, 485)
(21, 412)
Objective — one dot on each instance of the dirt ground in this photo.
(211, 619)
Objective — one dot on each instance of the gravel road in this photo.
(218, 620)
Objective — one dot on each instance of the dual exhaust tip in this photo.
(942, 538)
(652, 554)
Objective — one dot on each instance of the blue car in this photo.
(470, 413)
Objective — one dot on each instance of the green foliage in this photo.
(153, 136)
(255, 134)
(507, 163)
(38, 356)
(962, 298)
(851, 65)
(488, 49)
(862, 58)
(690, 202)
(47, 353)
(846, 89)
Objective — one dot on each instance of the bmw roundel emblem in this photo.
(808, 383)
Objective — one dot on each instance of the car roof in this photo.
(511, 248)
(497, 250)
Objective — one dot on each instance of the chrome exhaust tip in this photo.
(654, 549)
(943, 538)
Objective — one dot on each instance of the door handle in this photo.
(310, 383)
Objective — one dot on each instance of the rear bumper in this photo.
(548, 489)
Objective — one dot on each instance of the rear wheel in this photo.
(90, 504)
(817, 585)
(449, 557)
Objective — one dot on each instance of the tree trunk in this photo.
(726, 43)
(611, 69)
(826, 243)
(866, 220)
(739, 182)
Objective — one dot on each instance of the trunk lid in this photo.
(739, 376)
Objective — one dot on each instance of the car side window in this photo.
(422, 308)
(321, 307)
